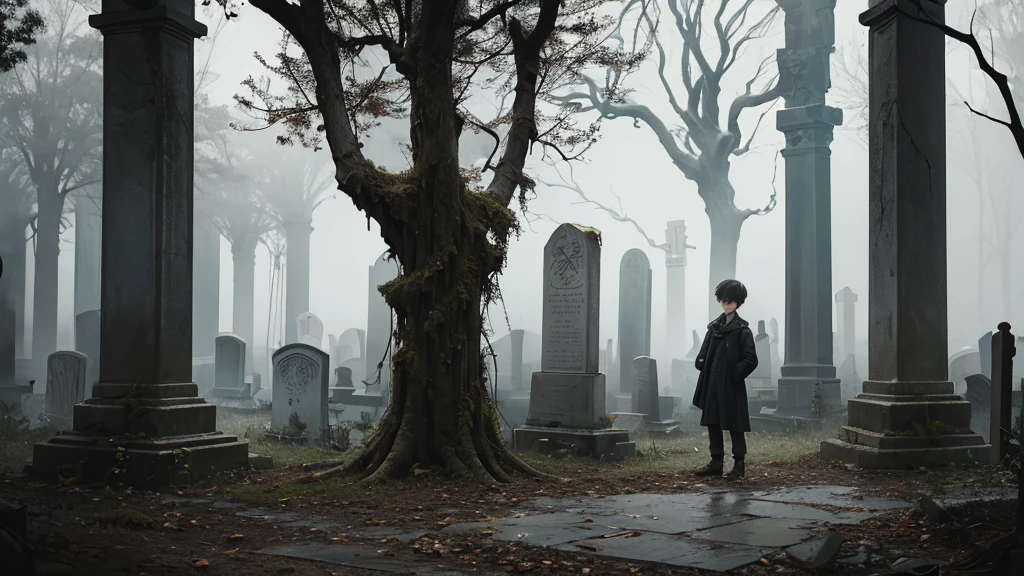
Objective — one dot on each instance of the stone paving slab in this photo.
(717, 529)
(761, 532)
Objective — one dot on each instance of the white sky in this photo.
(630, 162)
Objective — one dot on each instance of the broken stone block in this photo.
(817, 552)
(260, 462)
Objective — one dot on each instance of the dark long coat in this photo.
(726, 358)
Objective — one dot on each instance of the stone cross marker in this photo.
(310, 329)
(301, 386)
(634, 317)
(1003, 351)
(65, 386)
(572, 292)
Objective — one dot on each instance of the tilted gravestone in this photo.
(310, 329)
(567, 397)
(87, 341)
(66, 374)
(300, 392)
(657, 409)
(985, 353)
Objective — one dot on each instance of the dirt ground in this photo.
(105, 530)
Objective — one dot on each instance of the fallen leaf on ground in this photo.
(236, 537)
(200, 563)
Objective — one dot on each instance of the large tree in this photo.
(51, 109)
(449, 235)
(18, 28)
(709, 137)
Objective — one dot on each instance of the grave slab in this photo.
(763, 532)
(549, 529)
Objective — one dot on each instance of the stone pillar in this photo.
(88, 236)
(907, 390)
(145, 407)
(675, 293)
(296, 275)
(205, 285)
(1003, 351)
(807, 123)
(634, 318)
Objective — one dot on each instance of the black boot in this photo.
(714, 468)
(737, 470)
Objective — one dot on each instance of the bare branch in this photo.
(616, 215)
(772, 201)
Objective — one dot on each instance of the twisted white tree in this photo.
(705, 134)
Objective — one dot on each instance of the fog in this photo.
(629, 165)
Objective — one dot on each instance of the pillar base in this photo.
(896, 425)
(155, 435)
(795, 396)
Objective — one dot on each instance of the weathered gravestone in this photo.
(87, 341)
(634, 317)
(979, 394)
(343, 387)
(760, 391)
(962, 364)
(310, 329)
(351, 353)
(1000, 427)
(66, 374)
(646, 399)
(567, 397)
(229, 369)
(300, 392)
(773, 339)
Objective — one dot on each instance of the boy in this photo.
(726, 358)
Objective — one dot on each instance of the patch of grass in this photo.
(125, 518)
(688, 452)
(253, 425)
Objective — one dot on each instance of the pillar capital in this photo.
(882, 11)
(176, 17)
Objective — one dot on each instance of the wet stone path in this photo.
(715, 529)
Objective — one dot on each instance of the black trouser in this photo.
(739, 443)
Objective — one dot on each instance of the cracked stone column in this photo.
(908, 415)
(145, 419)
(807, 123)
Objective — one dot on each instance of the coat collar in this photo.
(718, 324)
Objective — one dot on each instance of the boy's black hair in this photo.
(731, 291)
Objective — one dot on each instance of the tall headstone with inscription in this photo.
(567, 397)
(634, 317)
(300, 392)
